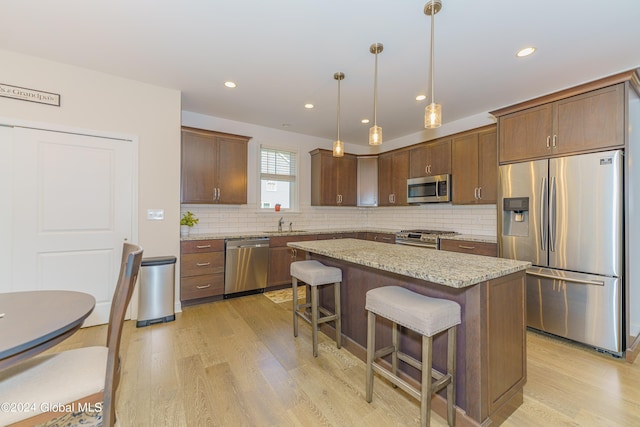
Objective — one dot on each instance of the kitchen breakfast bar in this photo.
(491, 340)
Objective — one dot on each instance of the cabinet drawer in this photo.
(201, 286)
(198, 246)
(205, 263)
(469, 247)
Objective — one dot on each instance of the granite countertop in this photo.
(255, 234)
(472, 238)
(452, 269)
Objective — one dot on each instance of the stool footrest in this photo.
(325, 319)
(383, 352)
(442, 382)
(396, 380)
(410, 360)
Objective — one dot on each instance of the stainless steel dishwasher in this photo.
(246, 266)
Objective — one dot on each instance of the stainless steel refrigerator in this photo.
(565, 215)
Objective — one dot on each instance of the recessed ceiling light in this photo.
(364, 121)
(526, 51)
(309, 106)
(230, 84)
(421, 97)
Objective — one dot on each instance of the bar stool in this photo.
(427, 316)
(314, 274)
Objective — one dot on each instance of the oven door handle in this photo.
(418, 245)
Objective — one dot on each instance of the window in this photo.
(278, 169)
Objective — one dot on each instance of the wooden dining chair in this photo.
(78, 382)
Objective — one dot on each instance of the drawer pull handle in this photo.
(204, 286)
(466, 247)
(203, 264)
(203, 246)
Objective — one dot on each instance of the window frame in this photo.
(294, 182)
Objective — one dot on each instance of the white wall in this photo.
(219, 219)
(100, 102)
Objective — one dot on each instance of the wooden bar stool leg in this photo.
(336, 294)
(451, 370)
(371, 349)
(425, 396)
(395, 341)
(294, 284)
(314, 319)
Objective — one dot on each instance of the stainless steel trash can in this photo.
(157, 291)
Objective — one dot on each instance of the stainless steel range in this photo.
(422, 238)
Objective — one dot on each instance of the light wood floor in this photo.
(236, 363)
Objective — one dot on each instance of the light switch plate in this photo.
(155, 214)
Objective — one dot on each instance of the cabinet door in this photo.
(400, 174)
(440, 157)
(385, 183)
(465, 169)
(525, 134)
(280, 260)
(488, 167)
(232, 171)
(324, 179)
(198, 171)
(590, 121)
(347, 175)
(418, 161)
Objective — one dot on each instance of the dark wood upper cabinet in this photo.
(333, 179)
(587, 122)
(430, 158)
(475, 168)
(214, 167)
(393, 172)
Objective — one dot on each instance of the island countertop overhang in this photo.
(453, 269)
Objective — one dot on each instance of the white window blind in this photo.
(277, 165)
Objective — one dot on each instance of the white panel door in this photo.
(72, 207)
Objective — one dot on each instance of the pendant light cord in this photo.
(339, 109)
(375, 91)
(433, 14)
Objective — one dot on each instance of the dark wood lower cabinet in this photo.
(280, 258)
(491, 341)
(469, 247)
(201, 271)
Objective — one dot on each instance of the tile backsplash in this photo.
(476, 220)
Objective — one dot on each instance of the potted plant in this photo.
(188, 220)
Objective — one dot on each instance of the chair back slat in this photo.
(129, 269)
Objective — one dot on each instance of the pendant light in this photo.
(375, 133)
(433, 111)
(338, 145)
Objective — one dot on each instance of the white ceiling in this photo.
(283, 53)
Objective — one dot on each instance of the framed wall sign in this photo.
(30, 95)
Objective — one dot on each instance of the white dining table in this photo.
(34, 321)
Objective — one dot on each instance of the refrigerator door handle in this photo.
(552, 215)
(565, 279)
(544, 214)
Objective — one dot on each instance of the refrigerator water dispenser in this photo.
(515, 216)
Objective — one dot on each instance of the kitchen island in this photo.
(491, 340)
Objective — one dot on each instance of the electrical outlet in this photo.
(155, 214)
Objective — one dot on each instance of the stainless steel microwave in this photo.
(429, 189)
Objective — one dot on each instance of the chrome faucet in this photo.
(291, 226)
(280, 222)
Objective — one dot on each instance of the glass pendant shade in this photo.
(338, 148)
(375, 135)
(432, 116)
